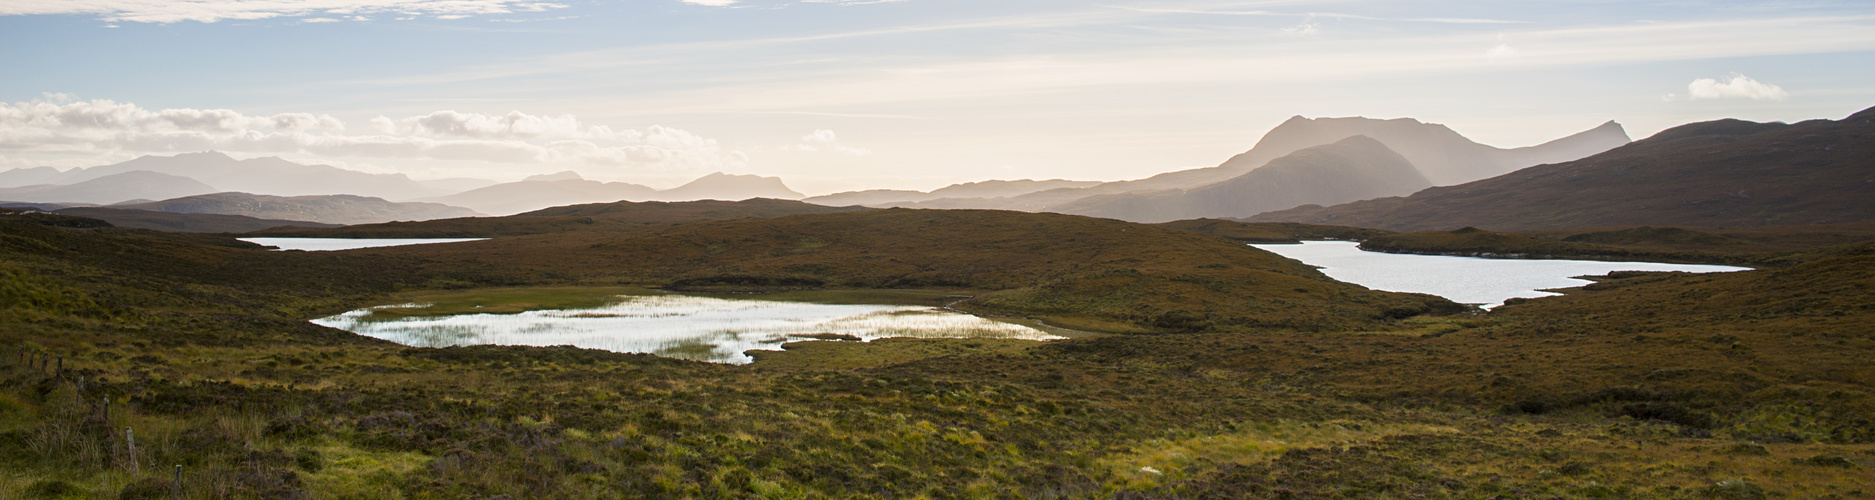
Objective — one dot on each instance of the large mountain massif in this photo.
(1356, 168)
(1716, 174)
(1440, 155)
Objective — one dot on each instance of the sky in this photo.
(837, 95)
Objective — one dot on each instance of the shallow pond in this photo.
(326, 244)
(1470, 280)
(680, 326)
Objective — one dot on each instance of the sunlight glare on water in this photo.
(1468, 280)
(700, 328)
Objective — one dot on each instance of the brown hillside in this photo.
(1272, 232)
(1726, 173)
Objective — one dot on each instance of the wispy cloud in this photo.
(208, 11)
(824, 141)
(1734, 86)
(60, 124)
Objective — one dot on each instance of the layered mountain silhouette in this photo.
(1440, 154)
(721, 186)
(568, 188)
(328, 209)
(113, 188)
(983, 189)
(1725, 173)
(602, 217)
(269, 175)
(1355, 168)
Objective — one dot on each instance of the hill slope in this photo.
(183, 223)
(617, 216)
(1356, 168)
(114, 188)
(1726, 173)
(329, 209)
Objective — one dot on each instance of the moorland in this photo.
(1225, 372)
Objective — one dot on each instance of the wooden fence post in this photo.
(178, 484)
(130, 447)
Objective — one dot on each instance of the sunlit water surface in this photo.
(326, 244)
(700, 328)
(1469, 280)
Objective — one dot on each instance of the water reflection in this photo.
(679, 326)
(1469, 280)
(330, 244)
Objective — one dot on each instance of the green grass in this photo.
(1642, 385)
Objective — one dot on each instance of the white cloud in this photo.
(208, 11)
(1502, 50)
(1308, 27)
(711, 3)
(60, 125)
(824, 140)
(1736, 85)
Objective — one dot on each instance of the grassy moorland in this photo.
(1743, 385)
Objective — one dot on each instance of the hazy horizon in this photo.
(846, 95)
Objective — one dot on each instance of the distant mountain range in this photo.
(1726, 173)
(133, 185)
(568, 188)
(986, 189)
(615, 216)
(269, 175)
(328, 209)
(165, 177)
(1440, 155)
(1352, 169)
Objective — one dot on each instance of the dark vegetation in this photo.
(185, 223)
(1726, 173)
(1643, 385)
(1273, 232)
(616, 216)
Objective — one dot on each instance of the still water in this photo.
(1469, 280)
(325, 244)
(680, 326)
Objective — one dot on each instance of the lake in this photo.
(1470, 280)
(327, 244)
(679, 326)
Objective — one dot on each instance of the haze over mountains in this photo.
(1439, 155)
(568, 188)
(1725, 173)
(1352, 169)
(114, 188)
